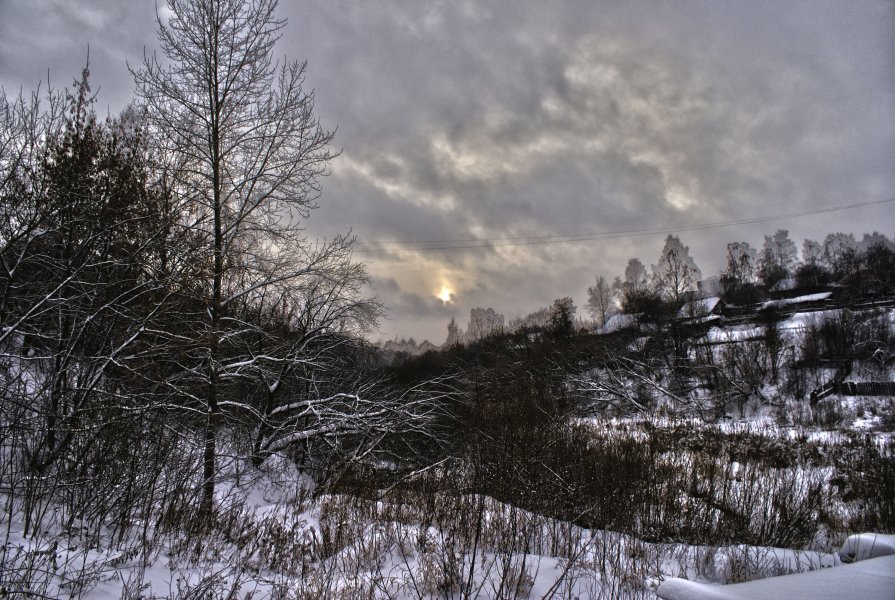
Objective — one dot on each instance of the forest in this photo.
(191, 407)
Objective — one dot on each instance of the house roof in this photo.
(699, 308)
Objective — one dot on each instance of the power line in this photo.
(503, 242)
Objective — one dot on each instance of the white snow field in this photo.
(872, 577)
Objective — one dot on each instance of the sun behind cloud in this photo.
(446, 294)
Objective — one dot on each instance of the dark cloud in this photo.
(470, 120)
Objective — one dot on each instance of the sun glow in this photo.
(446, 294)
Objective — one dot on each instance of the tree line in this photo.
(750, 275)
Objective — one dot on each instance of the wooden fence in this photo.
(853, 388)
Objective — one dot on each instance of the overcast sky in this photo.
(509, 120)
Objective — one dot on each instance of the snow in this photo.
(798, 299)
(619, 322)
(382, 557)
(733, 334)
(698, 308)
(93, 569)
(801, 319)
(864, 546)
(386, 552)
(793, 324)
(873, 578)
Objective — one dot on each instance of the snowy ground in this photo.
(872, 577)
(274, 538)
(345, 548)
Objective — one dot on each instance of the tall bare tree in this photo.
(483, 322)
(740, 263)
(777, 259)
(841, 254)
(250, 154)
(676, 273)
(740, 273)
(636, 279)
(600, 299)
(455, 335)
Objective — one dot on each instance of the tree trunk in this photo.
(208, 463)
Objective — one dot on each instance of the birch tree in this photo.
(676, 273)
(250, 153)
(777, 259)
(740, 263)
(740, 272)
(636, 279)
(600, 298)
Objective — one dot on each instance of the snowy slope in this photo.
(871, 577)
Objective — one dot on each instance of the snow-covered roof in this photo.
(798, 299)
(699, 308)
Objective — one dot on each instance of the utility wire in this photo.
(502, 242)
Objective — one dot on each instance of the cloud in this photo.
(50, 38)
(407, 303)
(467, 120)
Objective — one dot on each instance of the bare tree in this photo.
(627, 384)
(79, 229)
(483, 322)
(251, 155)
(778, 258)
(600, 300)
(739, 277)
(740, 263)
(811, 274)
(676, 273)
(455, 334)
(26, 123)
(812, 252)
(840, 254)
(636, 279)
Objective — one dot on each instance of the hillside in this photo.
(590, 466)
